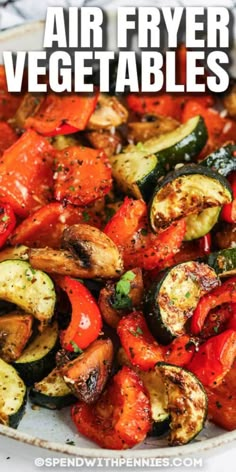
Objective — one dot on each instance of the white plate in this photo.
(53, 429)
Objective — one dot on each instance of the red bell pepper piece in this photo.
(45, 226)
(214, 358)
(180, 351)
(205, 244)
(122, 416)
(156, 104)
(9, 102)
(7, 136)
(226, 293)
(86, 320)
(126, 222)
(231, 320)
(140, 346)
(228, 212)
(82, 175)
(128, 228)
(57, 110)
(218, 320)
(26, 175)
(220, 130)
(157, 248)
(7, 222)
(221, 401)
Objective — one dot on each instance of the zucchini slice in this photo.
(186, 191)
(221, 160)
(12, 395)
(30, 289)
(223, 262)
(201, 224)
(171, 302)
(38, 358)
(187, 402)
(52, 392)
(15, 331)
(138, 168)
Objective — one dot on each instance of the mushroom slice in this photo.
(109, 113)
(96, 252)
(87, 375)
(154, 125)
(88, 253)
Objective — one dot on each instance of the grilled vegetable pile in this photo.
(118, 262)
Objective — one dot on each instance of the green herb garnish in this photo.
(122, 290)
(86, 216)
(5, 218)
(76, 348)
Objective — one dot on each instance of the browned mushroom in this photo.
(153, 126)
(109, 113)
(87, 375)
(110, 142)
(87, 253)
(106, 299)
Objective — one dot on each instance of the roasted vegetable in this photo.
(137, 169)
(12, 395)
(186, 191)
(221, 401)
(140, 346)
(154, 384)
(224, 294)
(81, 175)
(116, 299)
(38, 358)
(201, 224)
(139, 247)
(45, 227)
(171, 302)
(221, 160)
(26, 176)
(226, 236)
(32, 290)
(121, 418)
(87, 375)
(88, 253)
(109, 141)
(214, 358)
(187, 403)
(86, 321)
(223, 262)
(52, 392)
(151, 126)
(109, 113)
(62, 114)
(15, 331)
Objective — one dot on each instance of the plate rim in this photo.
(200, 446)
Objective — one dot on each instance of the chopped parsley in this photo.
(137, 332)
(76, 348)
(216, 329)
(29, 273)
(71, 188)
(187, 295)
(122, 290)
(86, 216)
